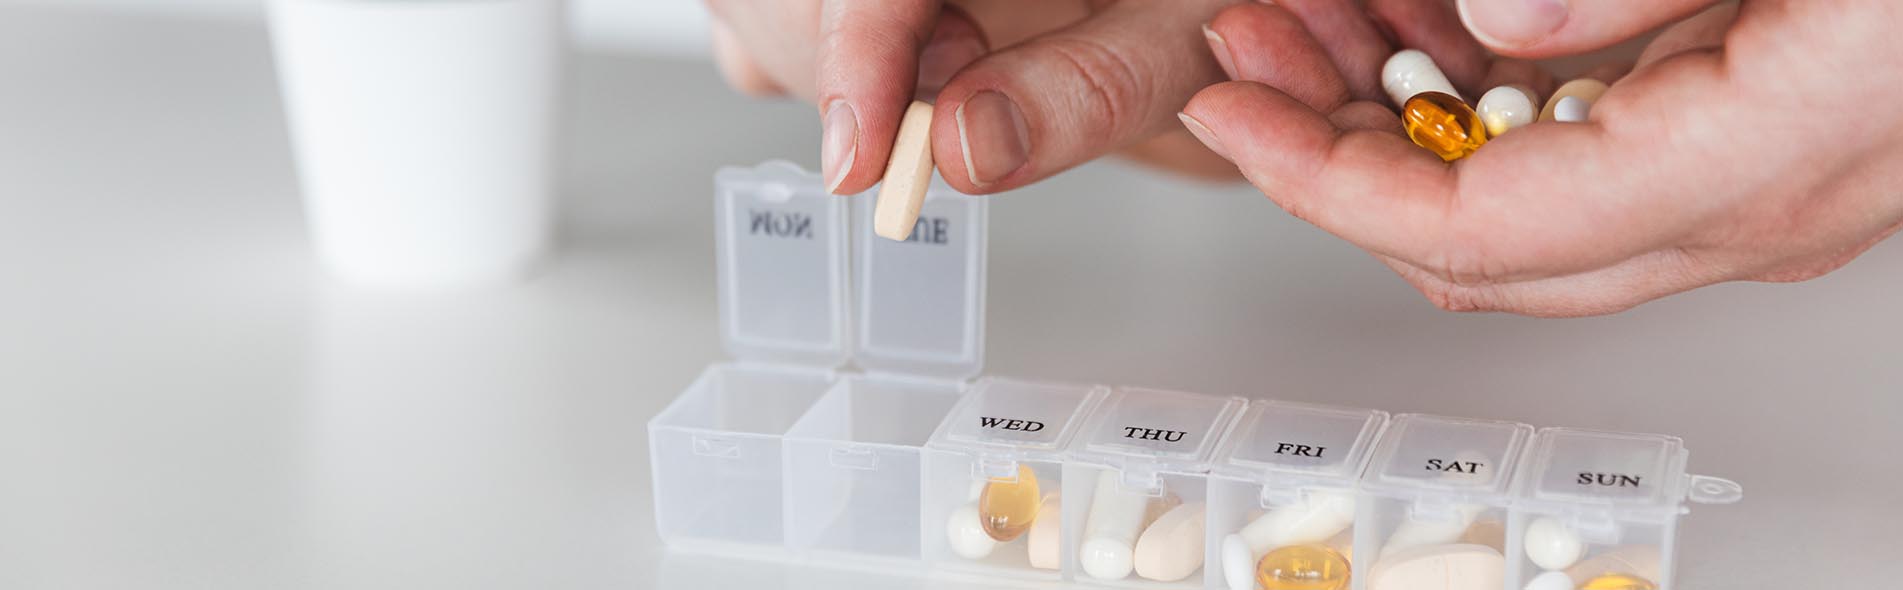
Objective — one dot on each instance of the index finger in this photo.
(867, 72)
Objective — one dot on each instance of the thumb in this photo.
(1547, 28)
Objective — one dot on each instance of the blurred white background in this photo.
(676, 27)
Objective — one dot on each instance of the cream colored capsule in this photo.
(907, 174)
(1410, 72)
(1585, 89)
(1505, 108)
(1045, 531)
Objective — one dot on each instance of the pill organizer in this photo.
(851, 429)
(1285, 480)
(849, 352)
(1600, 510)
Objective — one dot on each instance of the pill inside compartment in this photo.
(1433, 511)
(993, 478)
(1136, 491)
(1282, 495)
(1600, 510)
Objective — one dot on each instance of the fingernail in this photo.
(1221, 48)
(1513, 23)
(840, 144)
(942, 59)
(992, 135)
(1203, 134)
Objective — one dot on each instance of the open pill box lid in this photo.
(1152, 430)
(1293, 444)
(1624, 471)
(1462, 457)
(1016, 419)
(803, 282)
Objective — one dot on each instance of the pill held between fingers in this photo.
(1440, 567)
(1045, 533)
(1551, 545)
(966, 534)
(908, 173)
(1586, 89)
(1571, 109)
(1111, 529)
(1172, 547)
(1505, 108)
(1410, 72)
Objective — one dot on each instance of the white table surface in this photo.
(186, 402)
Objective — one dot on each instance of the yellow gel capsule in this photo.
(1302, 567)
(1443, 125)
(1618, 582)
(1007, 507)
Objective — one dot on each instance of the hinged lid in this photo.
(1147, 430)
(781, 243)
(1622, 471)
(1461, 456)
(1017, 418)
(922, 301)
(1296, 444)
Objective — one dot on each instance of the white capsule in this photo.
(1551, 545)
(1584, 89)
(1571, 109)
(1410, 72)
(1505, 108)
(1416, 533)
(1110, 531)
(1238, 563)
(1551, 581)
(1045, 531)
(966, 534)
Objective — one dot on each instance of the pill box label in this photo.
(1010, 424)
(1299, 450)
(1455, 466)
(779, 224)
(934, 231)
(1608, 480)
(1141, 433)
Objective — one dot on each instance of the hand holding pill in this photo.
(1625, 189)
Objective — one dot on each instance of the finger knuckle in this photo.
(1113, 89)
(1455, 298)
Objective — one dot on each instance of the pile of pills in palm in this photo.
(1437, 118)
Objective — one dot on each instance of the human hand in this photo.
(1751, 142)
(1070, 80)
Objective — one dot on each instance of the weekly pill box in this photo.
(852, 422)
(1608, 504)
(849, 352)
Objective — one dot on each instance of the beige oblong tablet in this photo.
(1043, 543)
(1586, 89)
(907, 174)
(1172, 547)
(1440, 567)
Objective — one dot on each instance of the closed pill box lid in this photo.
(1294, 443)
(1156, 429)
(782, 254)
(1459, 456)
(922, 301)
(1029, 419)
(1571, 465)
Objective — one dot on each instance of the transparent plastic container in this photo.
(1136, 487)
(1600, 510)
(854, 460)
(1284, 487)
(1433, 511)
(785, 447)
(1003, 444)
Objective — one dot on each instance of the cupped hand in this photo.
(1024, 90)
(1752, 141)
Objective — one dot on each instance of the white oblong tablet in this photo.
(1238, 563)
(1111, 529)
(1415, 533)
(966, 534)
(1505, 108)
(1411, 71)
(1045, 534)
(1172, 547)
(908, 172)
(1440, 567)
(1324, 514)
(1551, 545)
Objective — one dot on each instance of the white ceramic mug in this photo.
(422, 131)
